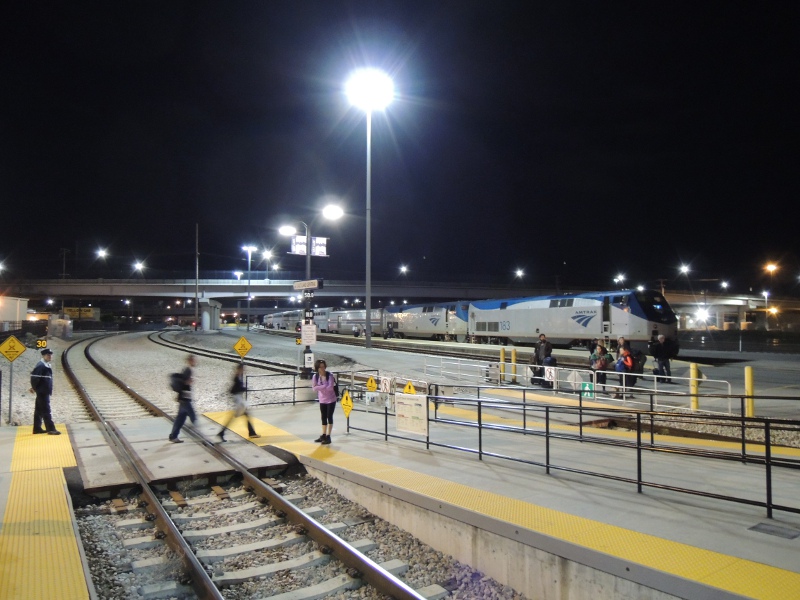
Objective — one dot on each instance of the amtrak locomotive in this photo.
(567, 319)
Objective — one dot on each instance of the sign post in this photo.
(308, 330)
(12, 349)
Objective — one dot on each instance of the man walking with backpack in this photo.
(185, 408)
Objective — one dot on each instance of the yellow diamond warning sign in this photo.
(347, 403)
(12, 348)
(242, 347)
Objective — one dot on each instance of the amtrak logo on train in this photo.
(434, 321)
(583, 319)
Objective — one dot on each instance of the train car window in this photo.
(465, 307)
(493, 326)
(619, 300)
(503, 306)
(480, 326)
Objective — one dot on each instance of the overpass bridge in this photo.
(720, 308)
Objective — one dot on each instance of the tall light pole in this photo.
(369, 90)
(249, 250)
(766, 310)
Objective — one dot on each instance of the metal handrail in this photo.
(639, 420)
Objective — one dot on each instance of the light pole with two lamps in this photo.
(369, 90)
(331, 212)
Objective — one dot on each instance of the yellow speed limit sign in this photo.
(347, 403)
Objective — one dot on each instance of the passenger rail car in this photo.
(445, 321)
(574, 319)
(343, 321)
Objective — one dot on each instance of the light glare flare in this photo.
(369, 89)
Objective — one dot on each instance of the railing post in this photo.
(524, 413)
(744, 431)
(768, 465)
(580, 414)
(501, 377)
(639, 452)
(547, 439)
(480, 432)
(652, 421)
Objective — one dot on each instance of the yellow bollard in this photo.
(502, 364)
(513, 365)
(694, 384)
(749, 402)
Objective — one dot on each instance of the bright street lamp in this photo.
(369, 90)
(238, 275)
(249, 250)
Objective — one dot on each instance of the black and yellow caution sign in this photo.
(347, 403)
(409, 389)
(242, 347)
(371, 385)
(12, 348)
(298, 341)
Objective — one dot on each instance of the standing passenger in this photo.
(185, 408)
(324, 384)
(42, 384)
(600, 361)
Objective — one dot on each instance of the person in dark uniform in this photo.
(42, 385)
(185, 408)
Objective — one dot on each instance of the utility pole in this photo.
(64, 252)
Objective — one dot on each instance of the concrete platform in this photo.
(664, 544)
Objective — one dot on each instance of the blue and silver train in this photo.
(566, 319)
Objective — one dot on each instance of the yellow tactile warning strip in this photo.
(41, 451)
(735, 575)
(268, 434)
(39, 555)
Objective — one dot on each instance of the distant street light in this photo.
(102, 253)
(519, 273)
(249, 250)
(771, 268)
(369, 90)
(238, 275)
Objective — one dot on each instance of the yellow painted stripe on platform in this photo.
(41, 451)
(268, 433)
(39, 555)
(736, 575)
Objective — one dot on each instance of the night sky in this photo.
(574, 140)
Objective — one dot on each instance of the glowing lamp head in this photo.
(369, 89)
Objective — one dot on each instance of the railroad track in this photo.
(183, 546)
